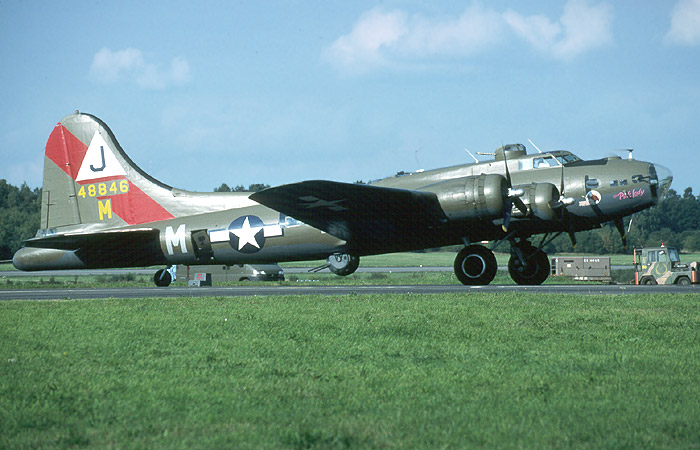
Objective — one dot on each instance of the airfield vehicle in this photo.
(582, 268)
(662, 265)
(235, 272)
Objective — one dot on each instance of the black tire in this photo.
(648, 281)
(343, 265)
(534, 272)
(475, 265)
(162, 278)
(683, 281)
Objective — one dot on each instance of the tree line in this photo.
(674, 222)
(20, 214)
(255, 187)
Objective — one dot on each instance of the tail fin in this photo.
(88, 179)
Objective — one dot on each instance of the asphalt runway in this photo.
(262, 290)
(287, 270)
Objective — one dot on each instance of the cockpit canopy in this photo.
(546, 160)
(513, 152)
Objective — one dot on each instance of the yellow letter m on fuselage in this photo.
(105, 208)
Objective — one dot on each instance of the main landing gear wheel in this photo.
(533, 270)
(475, 265)
(343, 264)
(162, 278)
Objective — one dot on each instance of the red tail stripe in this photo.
(136, 207)
(66, 150)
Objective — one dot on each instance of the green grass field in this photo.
(450, 371)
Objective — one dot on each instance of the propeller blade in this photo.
(621, 229)
(566, 201)
(507, 214)
(561, 184)
(508, 179)
(511, 194)
(522, 207)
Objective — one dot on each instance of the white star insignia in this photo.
(246, 235)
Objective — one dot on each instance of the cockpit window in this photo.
(554, 161)
(543, 162)
(547, 160)
(565, 159)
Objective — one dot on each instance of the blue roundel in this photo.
(247, 234)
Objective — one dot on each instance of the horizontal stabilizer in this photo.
(124, 248)
(75, 241)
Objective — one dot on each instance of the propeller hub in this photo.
(515, 192)
(567, 201)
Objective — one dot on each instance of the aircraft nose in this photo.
(662, 178)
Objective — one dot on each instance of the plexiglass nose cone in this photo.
(662, 177)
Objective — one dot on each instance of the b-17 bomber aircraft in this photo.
(100, 210)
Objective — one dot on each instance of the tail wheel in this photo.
(532, 271)
(475, 265)
(162, 278)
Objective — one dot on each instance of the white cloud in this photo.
(389, 38)
(685, 23)
(130, 64)
(473, 31)
(373, 32)
(538, 30)
(582, 27)
(381, 38)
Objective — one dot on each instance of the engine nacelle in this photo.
(475, 197)
(539, 198)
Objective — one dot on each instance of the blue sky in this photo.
(279, 91)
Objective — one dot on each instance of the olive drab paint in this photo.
(100, 209)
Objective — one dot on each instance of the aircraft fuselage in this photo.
(101, 210)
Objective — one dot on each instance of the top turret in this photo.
(510, 151)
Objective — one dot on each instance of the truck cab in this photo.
(662, 265)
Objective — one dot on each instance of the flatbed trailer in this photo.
(582, 268)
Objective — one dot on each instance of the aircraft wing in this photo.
(365, 216)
